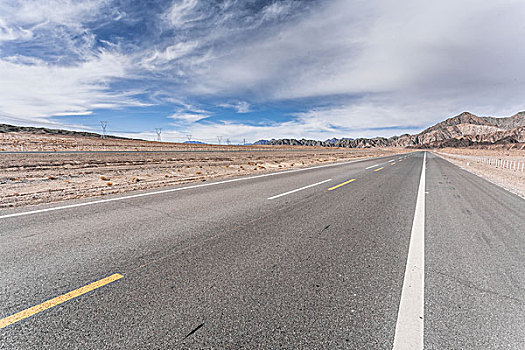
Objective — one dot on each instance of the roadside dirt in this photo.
(502, 165)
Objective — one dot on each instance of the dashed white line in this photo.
(390, 161)
(299, 189)
(410, 323)
(372, 166)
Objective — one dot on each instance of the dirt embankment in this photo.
(34, 178)
(503, 165)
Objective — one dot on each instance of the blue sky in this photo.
(248, 69)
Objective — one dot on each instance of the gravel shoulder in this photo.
(502, 167)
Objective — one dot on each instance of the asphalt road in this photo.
(286, 261)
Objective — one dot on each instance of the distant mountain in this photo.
(263, 142)
(6, 128)
(195, 142)
(464, 129)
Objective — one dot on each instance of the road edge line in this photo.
(410, 319)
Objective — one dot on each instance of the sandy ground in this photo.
(35, 178)
(502, 165)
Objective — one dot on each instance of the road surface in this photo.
(403, 251)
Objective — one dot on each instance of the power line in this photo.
(104, 125)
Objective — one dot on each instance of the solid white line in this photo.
(372, 166)
(409, 326)
(299, 189)
(178, 189)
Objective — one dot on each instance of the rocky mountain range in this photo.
(465, 129)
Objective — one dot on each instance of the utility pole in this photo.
(103, 124)
(228, 141)
(244, 142)
(158, 131)
(219, 138)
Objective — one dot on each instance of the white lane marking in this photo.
(410, 322)
(299, 189)
(178, 189)
(372, 166)
(390, 161)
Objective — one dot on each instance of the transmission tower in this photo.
(219, 138)
(228, 141)
(158, 131)
(104, 125)
(189, 137)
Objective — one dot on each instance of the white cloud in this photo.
(169, 54)
(188, 117)
(275, 10)
(181, 12)
(39, 89)
(8, 33)
(409, 61)
(239, 107)
(69, 13)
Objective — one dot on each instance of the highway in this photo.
(400, 252)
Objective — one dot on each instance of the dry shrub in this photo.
(198, 173)
(135, 179)
(166, 175)
(104, 178)
(109, 183)
(51, 177)
(280, 166)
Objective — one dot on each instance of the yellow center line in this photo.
(394, 163)
(341, 184)
(4, 322)
(379, 169)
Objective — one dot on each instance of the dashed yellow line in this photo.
(341, 184)
(379, 168)
(4, 322)
(393, 163)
